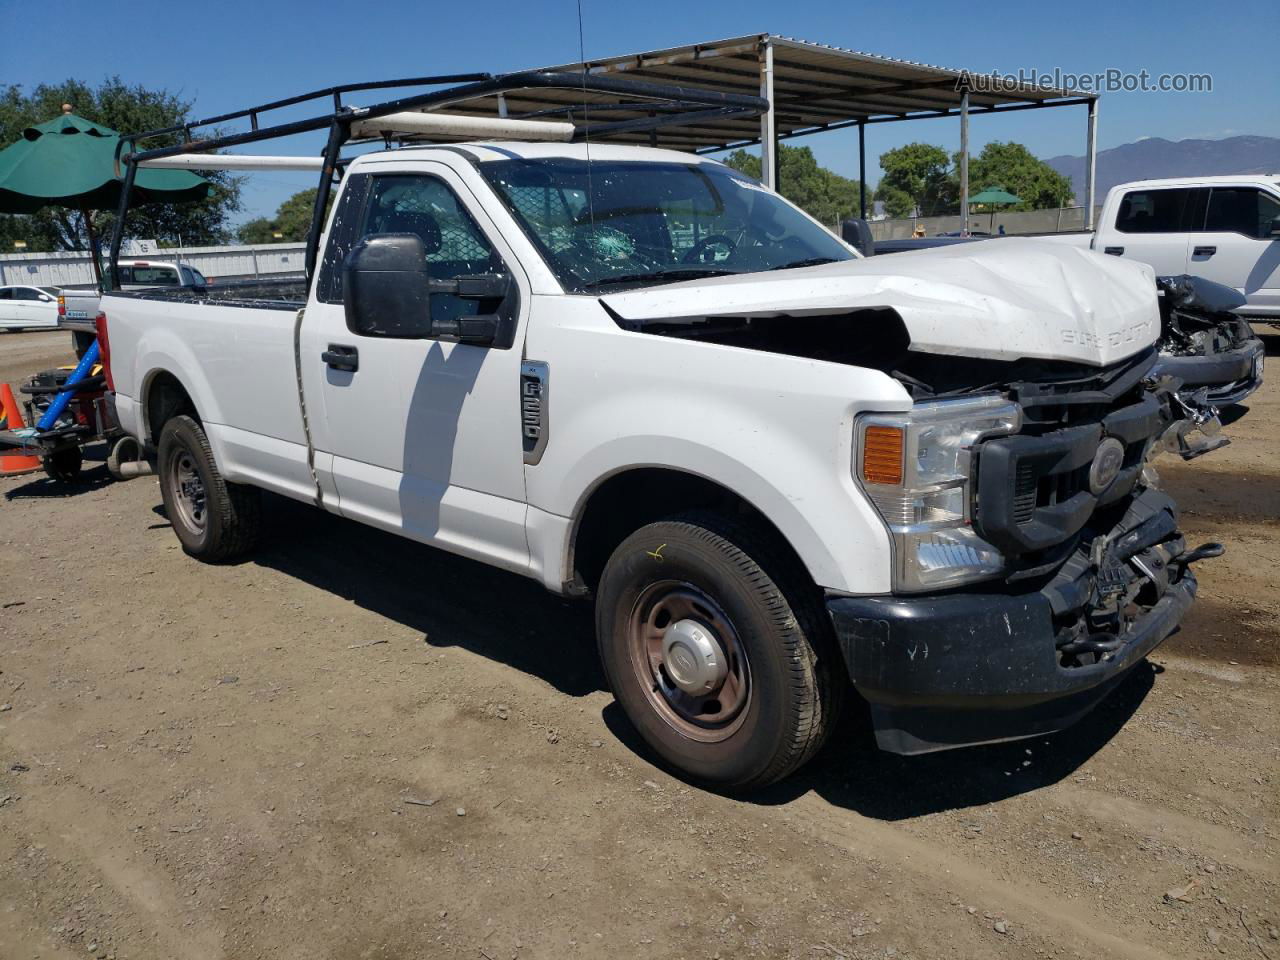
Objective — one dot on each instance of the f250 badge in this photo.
(1117, 338)
(533, 409)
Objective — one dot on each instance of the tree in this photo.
(292, 221)
(128, 110)
(1012, 167)
(917, 180)
(824, 195)
(897, 203)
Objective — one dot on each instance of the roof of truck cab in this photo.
(1270, 178)
(490, 150)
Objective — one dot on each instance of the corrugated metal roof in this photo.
(816, 87)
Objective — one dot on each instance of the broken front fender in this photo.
(1211, 351)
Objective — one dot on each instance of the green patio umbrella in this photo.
(70, 162)
(993, 197)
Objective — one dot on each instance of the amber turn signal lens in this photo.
(882, 455)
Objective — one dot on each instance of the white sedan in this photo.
(23, 307)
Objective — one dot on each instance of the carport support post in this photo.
(1091, 162)
(862, 170)
(964, 162)
(768, 129)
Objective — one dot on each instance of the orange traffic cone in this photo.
(14, 464)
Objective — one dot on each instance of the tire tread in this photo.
(759, 559)
(234, 510)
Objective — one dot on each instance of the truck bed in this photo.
(283, 294)
(233, 347)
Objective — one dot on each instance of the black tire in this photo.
(216, 521)
(63, 465)
(761, 598)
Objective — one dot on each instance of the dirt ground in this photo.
(355, 747)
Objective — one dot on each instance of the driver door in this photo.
(424, 434)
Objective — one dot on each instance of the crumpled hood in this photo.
(999, 299)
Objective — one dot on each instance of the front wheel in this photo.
(718, 651)
(215, 520)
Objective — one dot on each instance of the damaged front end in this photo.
(1213, 353)
(1095, 573)
(1034, 562)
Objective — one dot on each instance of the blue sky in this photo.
(231, 54)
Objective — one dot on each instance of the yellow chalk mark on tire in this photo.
(657, 554)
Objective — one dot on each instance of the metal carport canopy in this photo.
(812, 87)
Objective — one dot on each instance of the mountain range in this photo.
(1155, 157)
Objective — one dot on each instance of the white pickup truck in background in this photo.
(78, 308)
(783, 473)
(1224, 229)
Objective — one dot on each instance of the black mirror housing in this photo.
(386, 290)
(857, 233)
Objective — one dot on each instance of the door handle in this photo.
(341, 357)
(1204, 251)
(1114, 251)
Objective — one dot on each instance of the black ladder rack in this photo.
(670, 105)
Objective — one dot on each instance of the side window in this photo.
(6, 294)
(1268, 213)
(1152, 211)
(1243, 210)
(426, 206)
(454, 245)
(157, 276)
(26, 293)
(187, 279)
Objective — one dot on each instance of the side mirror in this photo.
(386, 292)
(857, 233)
(45, 298)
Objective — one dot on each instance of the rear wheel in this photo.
(215, 520)
(718, 650)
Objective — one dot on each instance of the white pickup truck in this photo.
(1224, 229)
(78, 308)
(782, 472)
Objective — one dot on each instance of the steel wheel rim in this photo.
(187, 489)
(710, 717)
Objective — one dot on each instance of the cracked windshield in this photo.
(653, 223)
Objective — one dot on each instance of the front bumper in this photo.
(962, 669)
(1230, 375)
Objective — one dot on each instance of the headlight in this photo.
(917, 468)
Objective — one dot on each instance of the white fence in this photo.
(75, 268)
(1056, 220)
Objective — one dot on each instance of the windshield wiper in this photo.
(811, 262)
(664, 276)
